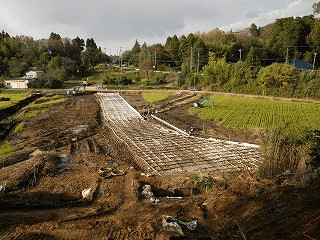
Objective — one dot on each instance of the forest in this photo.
(60, 58)
(248, 61)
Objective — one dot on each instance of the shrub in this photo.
(313, 137)
(217, 72)
(205, 182)
(157, 78)
(278, 75)
(283, 152)
(124, 80)
(50, 83)
(110, 80)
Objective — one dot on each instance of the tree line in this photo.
(60, 58)
(247, 61)
(284, 40)
(238, 61)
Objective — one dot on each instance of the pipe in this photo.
(171, 126)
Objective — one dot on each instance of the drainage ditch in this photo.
(9, 111)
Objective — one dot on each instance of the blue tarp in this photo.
(301, 64)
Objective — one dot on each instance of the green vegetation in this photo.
(7, 148)
(155, 97)
(247, 113)
(58, 58)
(283, 151)
(39, 106)
(313, 137)
(205, 182)
(14, 98)
(291, 143)
(289, 153)
(19, 128)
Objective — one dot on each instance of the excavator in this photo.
(199, 104)
(76, 90)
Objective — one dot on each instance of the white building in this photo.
(17, 83)
(23, 82)
(34, 74)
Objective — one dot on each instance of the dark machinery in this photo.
(76, 90)
(199, 104)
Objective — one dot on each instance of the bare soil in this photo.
(62, 151)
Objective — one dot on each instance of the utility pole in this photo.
(155, 60)
(120, 61)
(314, 61)
(198, 67)
(287, 57)
(191, 60)
(240, 59)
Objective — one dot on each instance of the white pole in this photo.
(314, 61)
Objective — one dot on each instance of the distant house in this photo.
(300, 64)
(23, 81)
(34, 74)
(17, 82)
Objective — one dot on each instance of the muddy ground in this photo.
(63, 152)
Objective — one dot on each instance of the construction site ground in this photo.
(62, 154)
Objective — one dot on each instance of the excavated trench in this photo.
(9, 111)
(6, 127)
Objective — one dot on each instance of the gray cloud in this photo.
(119, 22)
(252, 13)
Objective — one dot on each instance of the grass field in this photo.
(39, 106)
(246, 113)
(155, 97)
(14, 98)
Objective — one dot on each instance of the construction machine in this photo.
(199, 104)
(76, 90)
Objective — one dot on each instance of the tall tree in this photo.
(134, 54)
(161, 56)
(77, 46)
(43, 61)
(254, 30)
(191, 39)
(252, 59)
(200, 55)
(90, 43)
(55, 45)
(4, 34)
(174, 50)
(289, 32)
(314, 37)
(145, 53)
(316, 8)
(78, 43)
(183, 48)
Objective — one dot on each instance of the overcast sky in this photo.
(117, 23)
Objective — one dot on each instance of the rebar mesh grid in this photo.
(168, 152)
